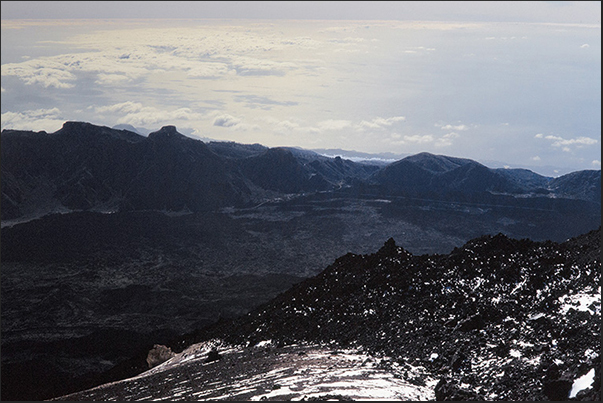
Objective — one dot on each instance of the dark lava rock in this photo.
(213, 356)
(459, 360)
(558, 389)
(471, 323)
(447, 390)
(327, 397)
(503, 296)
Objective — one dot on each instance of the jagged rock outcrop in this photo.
(509, 319)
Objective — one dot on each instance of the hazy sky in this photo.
(516, 82)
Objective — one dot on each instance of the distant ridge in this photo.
(88, 167)
(138, 130)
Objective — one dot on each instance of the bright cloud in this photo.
(420, 139)
(134, 113)
(447, 139)
(454, 127)
(250, 66)
(379, 123)
(45, 72)
(226, 121)
(119, 56)
(39, 119)
(121, 108)
(560, 141)
(451, 135)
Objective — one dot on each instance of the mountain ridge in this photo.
(87, 167)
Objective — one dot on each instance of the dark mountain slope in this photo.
(230, 149)
(87, 167)
(436, 163)
(180, 173)
(292, 170)
(335, 170)
(584, 185)
(277, 169)
(526, 179)
(498, 315)
(338, 171)
(426, 172)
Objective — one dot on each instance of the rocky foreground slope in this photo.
(496, 319)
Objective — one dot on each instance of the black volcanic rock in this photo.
(505, 296)
(213, 355)
(447, 390)
(558, 389)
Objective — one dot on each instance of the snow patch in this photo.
(515, 353)
(264, 343)
(586, 301)
(536, 316)
(589, 353)
(584, 382)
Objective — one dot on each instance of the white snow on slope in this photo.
(584, 382)
(587, 301)
(287, 373)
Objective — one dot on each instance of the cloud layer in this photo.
(473, 90)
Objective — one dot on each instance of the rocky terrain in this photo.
(495, 319)
(112, 242)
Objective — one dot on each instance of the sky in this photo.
(504, 83)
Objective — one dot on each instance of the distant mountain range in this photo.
(426, 172)
(96, 168)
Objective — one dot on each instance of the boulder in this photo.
(159, 354)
